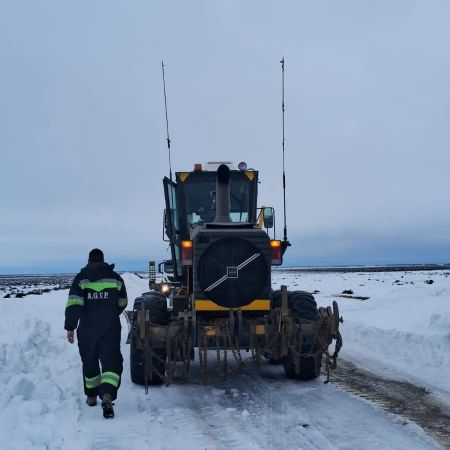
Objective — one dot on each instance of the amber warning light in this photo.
(275, 252)
(186, 253)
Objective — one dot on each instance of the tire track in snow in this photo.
(287, 423)
(200, 413)
(262, 412)
(399, 397)
(284, 414)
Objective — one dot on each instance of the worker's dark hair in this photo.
(96, 255)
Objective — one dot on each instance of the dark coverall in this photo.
(97, 297)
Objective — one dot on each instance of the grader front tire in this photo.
(302, 306)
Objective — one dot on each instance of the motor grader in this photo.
(221, 291)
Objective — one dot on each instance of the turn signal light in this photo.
(186, 253)
(275, 252)
(198, 168)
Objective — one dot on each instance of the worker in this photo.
(97, 297)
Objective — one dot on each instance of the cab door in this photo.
(172, 225)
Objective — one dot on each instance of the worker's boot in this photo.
(107, 406)
(91, 401)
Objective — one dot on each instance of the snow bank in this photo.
(402, 330)
(39, 375)
(135, 286)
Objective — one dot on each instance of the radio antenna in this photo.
(285, 239)
(167, 119)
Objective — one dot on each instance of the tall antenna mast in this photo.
(284, 172)
(167, 120)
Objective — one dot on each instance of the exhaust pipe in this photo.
(223, 195)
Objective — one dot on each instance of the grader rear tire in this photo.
(156, 304)
(303, 306)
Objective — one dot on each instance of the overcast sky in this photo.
(82, 132)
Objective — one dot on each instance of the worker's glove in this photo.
(71, 336)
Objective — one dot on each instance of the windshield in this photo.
(200, 200)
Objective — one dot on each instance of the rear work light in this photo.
(275, 252)
(186, 253)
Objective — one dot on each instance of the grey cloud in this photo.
(82, 124)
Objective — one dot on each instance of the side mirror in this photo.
(268, 215)
(159, 267)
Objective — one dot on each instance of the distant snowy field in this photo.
(401, 331)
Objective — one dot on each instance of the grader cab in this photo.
(221, 291)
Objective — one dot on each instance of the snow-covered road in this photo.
(42, 403)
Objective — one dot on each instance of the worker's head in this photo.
(96, 255)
